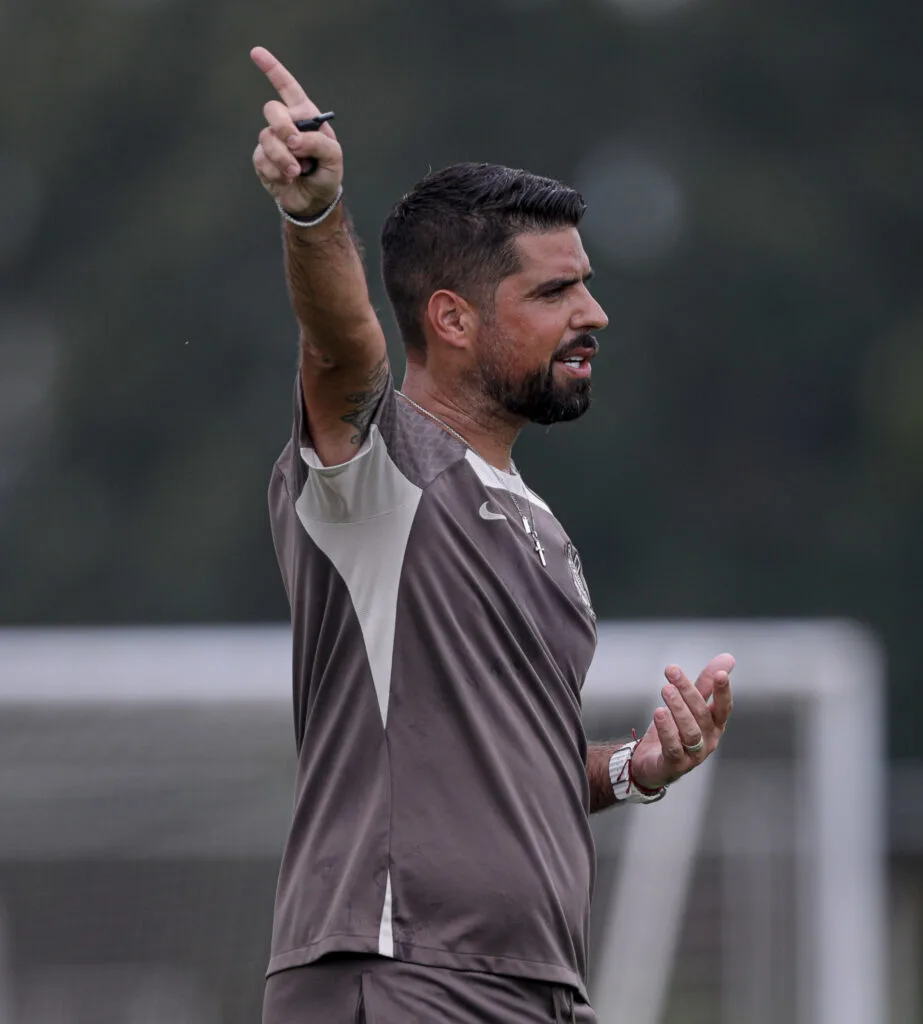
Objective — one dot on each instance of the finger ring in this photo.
(696, 747)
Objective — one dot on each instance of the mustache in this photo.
(583, 341)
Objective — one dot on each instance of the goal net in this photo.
(145, 792)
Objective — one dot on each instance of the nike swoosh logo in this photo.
(485, 513)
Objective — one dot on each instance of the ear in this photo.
(452, 319)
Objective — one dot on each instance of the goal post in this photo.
(830, 674)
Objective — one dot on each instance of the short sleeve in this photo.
(367, 486)
(404, 449)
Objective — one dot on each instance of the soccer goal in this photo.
(139, 765)
(755, 891)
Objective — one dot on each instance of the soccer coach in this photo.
(440, 863)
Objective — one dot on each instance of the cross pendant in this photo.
(540, 551)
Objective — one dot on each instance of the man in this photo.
(440, 863)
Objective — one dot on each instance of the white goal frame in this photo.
(831, 671)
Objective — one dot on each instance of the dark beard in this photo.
(538, 397)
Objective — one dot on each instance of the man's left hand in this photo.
(693, 714)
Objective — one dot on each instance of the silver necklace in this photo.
(528, 521)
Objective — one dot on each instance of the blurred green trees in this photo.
(755, 174)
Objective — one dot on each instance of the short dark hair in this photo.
(456, 230)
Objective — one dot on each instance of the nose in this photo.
(591, 316)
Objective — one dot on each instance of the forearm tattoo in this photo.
(364, 403)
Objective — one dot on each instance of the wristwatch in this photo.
(624, 786)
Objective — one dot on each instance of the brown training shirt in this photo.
(441, 805)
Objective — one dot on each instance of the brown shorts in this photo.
(375, 990)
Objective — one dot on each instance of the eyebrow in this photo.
(557, 284)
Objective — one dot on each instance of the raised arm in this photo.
(344, 363)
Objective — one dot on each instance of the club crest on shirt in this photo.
(576, 572)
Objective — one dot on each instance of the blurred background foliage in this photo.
(755, 179)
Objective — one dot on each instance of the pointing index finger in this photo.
(283, 81)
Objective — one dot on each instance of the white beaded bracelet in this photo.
(319, 219)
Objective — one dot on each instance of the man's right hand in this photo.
(344, 361)
(281, 146)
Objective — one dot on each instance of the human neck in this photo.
(488, 430)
